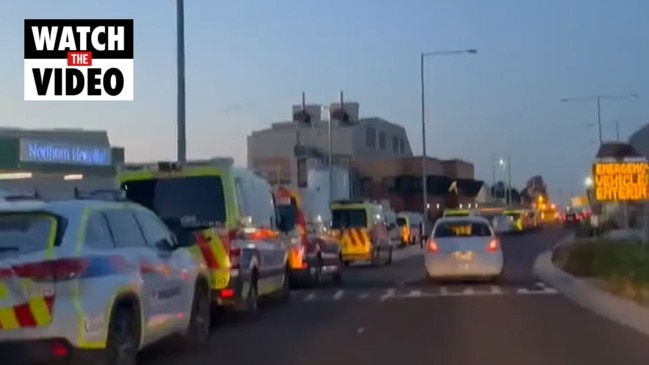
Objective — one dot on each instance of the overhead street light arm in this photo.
(424, 174)
(449, 53)
(598, 99)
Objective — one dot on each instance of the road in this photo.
(392, 316)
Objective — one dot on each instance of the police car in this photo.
(94, 281)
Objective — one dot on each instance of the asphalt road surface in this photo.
(391, 316)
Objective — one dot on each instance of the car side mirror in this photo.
(168, 244)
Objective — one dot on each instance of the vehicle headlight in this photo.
(295, 241)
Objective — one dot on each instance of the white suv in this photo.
(93, 282)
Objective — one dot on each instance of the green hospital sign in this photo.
(37, 151)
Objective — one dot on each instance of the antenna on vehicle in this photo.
(76, 192)
(36, 194)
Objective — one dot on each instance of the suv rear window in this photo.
(456, 214)
(22, 233)
(185, 202)
(461, 229)
(287, 212)
(348, 218)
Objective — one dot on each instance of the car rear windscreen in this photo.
(348, 218)
(287, 211)
(183, 202)
(22, 233)
(401, 222)
(462, 229)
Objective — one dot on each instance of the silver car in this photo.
(463, 247)
(93, 282)
(502, 224)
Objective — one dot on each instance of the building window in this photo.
(402, 146)
(395, 144)
(382, 141)
(370, 137)
(366, 186)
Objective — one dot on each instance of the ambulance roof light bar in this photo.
(214, 161)
(101, 194)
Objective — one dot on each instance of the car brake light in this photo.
(59, 349)
(432, 246)
(63, 269)
(235, 257)
(493, 245)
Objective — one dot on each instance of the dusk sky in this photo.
(249, 60)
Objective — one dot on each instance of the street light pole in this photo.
(493, 174)
(180, 35)
(509, 180)
(598, 100)
(617, 130)
(424, 173)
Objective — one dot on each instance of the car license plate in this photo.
(463, 256)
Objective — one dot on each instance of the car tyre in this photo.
(284, 294)
(200, 321)
(252, 299)
(388, 261)
(316, 278)
(498, 279)
(123, 339)
(338, 275)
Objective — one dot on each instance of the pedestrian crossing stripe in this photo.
(431, 292)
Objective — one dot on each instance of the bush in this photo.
(605, 259)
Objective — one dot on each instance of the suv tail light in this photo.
(493, 245)
(235, 257)
(70, 268)
(432, 246)
(63, 269)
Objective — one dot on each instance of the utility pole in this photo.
(509, 180)
(493, 175)
(181, 145)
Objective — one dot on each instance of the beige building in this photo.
(275, 150)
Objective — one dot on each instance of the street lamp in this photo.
(588, 182)
(180, 54)
(598, 100)
(422, 58)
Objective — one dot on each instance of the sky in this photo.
(249, 60)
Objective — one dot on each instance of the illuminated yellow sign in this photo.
(623, 181)
(461, 230)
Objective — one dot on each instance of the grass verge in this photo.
(620, 267)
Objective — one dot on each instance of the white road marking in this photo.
(550, 290)
(496, 290)
(414, 294)
(338, 295)
(309, 297)
(443, 290)
(388, 294)
(364, 296)
(468, 291)
(522, 291)
(540, 284)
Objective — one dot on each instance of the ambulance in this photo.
(313, 254)
(231, 215)
(362, 229)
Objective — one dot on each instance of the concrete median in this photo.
(586, 294)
